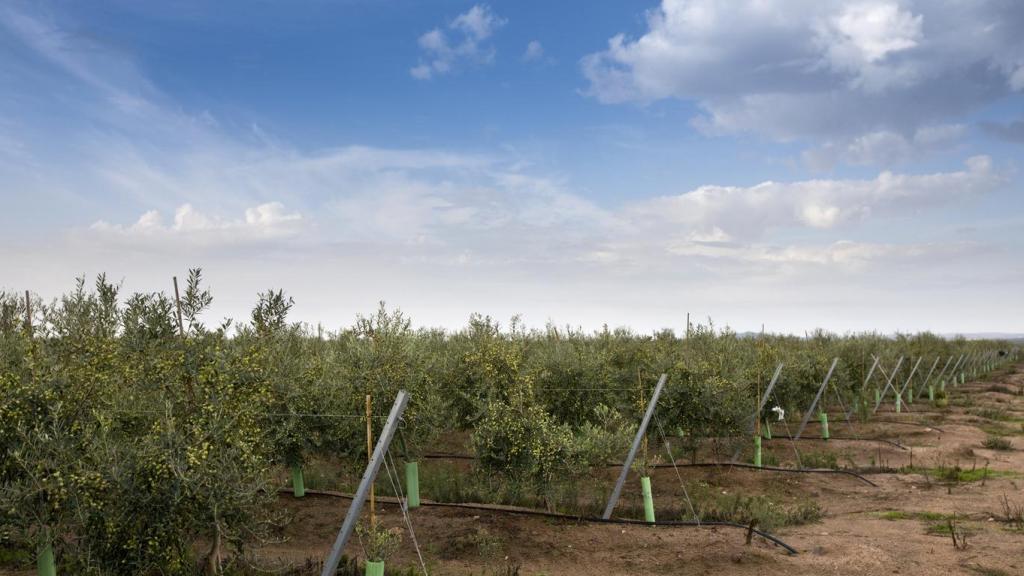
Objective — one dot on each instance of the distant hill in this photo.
(1011, 336)
(1014, 336)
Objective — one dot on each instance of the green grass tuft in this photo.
(997, 443)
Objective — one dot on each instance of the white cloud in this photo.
(751, 212)
(264, 222)
(817, 69)
(441, 207)
(478, 23)
(884, 147)
(442, 52)
(842, 255)
(534, 51)
(874, 30)
(1017, 79)
(862, 36)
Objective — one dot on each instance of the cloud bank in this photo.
(864, 74)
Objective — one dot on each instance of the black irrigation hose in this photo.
(808, 439)
(917, 424)
(769, 468)
(558, 515)
(698, 465)
(436, 456)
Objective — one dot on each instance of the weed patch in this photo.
(823, 459)
(998, 414)
(997, 443)
(761, 510)
(923, 516)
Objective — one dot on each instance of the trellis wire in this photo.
(403, 504)
(668, 449)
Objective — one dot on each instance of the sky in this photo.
(848, 165)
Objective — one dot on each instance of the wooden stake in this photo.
(760, 375)
(177, 300)
(189, 388)
(28, 314)
(640, 386)
(369, 454)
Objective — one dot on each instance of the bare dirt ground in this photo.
(899, 527)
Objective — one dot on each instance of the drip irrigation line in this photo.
(584, 519)
(917, 424)
(437, 456)
(697, 465)
(771, 469)
(848, 438)
(582, 389)
(375, 417)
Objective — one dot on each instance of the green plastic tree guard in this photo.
(942, 385)
(45, 566)
(757, 451)
(767, 431)
(374, 568)
(878, 397)
(298, 482)
(899, 402)
(412, 484)
(823, 418)
(931, 393)
(645, 487)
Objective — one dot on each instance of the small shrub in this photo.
(952, 528)
(997, 443)
(956, 474)
(1013, 513)
(760, 510)
(522, 442)
(379, 542)
(822, 459)
(476, 542)
(991, 413)
(923, 516)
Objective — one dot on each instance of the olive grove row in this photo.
(130, 430)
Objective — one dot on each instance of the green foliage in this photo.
(997, 414)
(997, 443)
(759, 509)
(820, 459)
(956, 475)
(124, 442)
(379, 542)
(904, 515)
(128, 442)
(523, 443)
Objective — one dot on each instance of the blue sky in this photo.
(852, 165)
